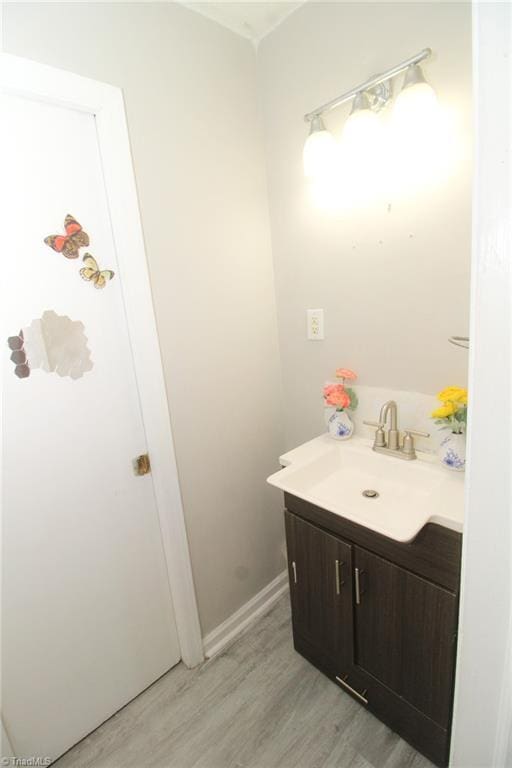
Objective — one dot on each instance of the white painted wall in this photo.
(482, 729)
(394, 284)
(190, 93)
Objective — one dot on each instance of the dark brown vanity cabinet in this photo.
(379, 618)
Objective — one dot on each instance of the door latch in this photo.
(142, 465)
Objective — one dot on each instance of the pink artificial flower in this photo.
(329, 389)
(336, 396)
(345, 373)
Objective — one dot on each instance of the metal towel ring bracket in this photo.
(459, 341)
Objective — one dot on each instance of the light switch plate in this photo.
(315, 324)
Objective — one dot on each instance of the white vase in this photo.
(452, 452)
(340, 425)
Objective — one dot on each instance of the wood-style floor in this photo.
(257, 705)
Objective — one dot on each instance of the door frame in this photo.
(481, 734)
(22, 77)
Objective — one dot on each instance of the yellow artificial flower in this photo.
(453, 395)
(444, 411)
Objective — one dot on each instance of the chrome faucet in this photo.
(390, 442)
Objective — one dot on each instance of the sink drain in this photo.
(370, 494)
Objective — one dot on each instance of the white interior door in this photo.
(87, 613)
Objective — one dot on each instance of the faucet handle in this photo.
(408, 444)
(416, 432)
(380, 437)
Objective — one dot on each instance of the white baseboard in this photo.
(220, 637)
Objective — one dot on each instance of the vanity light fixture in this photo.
(369, 97)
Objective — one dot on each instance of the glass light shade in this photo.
(361, 153)
(416, 105)
(423, 145)
(320, 151)
(362, 129)
(362, 134)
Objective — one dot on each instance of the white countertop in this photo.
(333, 473)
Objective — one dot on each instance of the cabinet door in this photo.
(405, 630)
(320, 568)
(428, 647)
(378, 618)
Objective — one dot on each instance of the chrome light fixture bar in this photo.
(370, 84)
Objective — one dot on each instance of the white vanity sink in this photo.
(333, 475)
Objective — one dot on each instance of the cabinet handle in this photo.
(360, 696)
(294, 569)
(338, 565)
(358, 588)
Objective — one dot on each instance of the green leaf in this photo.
(354, 401)
(462, 415)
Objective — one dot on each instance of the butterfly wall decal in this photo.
(69, 243)
(92, 272)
